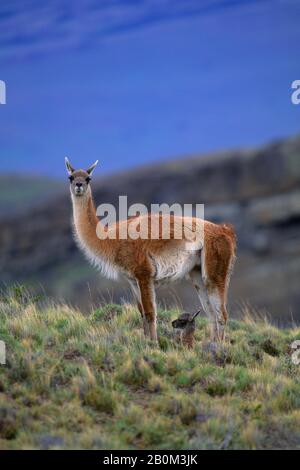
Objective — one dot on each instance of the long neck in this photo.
(86, 221)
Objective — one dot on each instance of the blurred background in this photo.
(181, 101)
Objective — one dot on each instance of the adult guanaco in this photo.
(148, 262)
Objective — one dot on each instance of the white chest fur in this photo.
(89, 243)
(106, 268)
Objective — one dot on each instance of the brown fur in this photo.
(186, 326)
(220, 247)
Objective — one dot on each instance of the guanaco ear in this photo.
(92, 167)
(195, 315)
(69, 167)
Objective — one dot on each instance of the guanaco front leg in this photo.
(137, 295)
(149, 305)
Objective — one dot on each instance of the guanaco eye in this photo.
(88, 179)
(71, 178)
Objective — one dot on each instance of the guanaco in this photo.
(185, 324)
(146, 263)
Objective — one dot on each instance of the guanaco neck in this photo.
(86, 222)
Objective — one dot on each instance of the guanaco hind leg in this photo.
(213, 304)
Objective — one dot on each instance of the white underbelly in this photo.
(175, 265)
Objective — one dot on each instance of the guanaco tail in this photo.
(147, 262)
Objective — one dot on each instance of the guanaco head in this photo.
(185, 320)
(79, 179)
(185, 327)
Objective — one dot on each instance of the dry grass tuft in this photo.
(75, 381)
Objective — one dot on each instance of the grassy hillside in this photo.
(258, 191)
(74, 381)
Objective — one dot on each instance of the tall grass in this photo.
(94, 382)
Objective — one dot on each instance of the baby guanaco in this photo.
(185, 325)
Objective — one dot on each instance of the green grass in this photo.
(94, 382)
